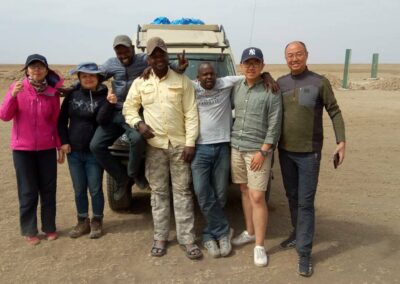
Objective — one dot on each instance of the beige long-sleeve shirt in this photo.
(170, 109)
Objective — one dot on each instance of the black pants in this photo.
(36, 173)
(300, 173)
(105, 136)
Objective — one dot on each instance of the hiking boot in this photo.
(82, 228)
(96, 227)
(225, 246)
(305, 266)
(260, 256)
(243, 238)
(290, 242)
(212, 248)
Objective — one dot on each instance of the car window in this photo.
(222, 63)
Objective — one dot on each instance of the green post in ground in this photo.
(346, 69)
(374, 66)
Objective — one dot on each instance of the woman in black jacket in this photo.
(88, 106)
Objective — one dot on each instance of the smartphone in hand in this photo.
(336, 160)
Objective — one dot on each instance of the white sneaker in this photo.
(243, 238)
(212, 248)
(225, 246)
(260, 256)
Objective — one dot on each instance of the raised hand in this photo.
(183, 63)
(17, 88)
(112, 98)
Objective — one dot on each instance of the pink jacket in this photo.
(34, 117)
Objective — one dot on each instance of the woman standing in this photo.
(34, 106)
(82, 111)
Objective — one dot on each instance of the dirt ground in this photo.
(357, 206)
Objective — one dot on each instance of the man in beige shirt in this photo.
(170, 128)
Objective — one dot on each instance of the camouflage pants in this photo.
(159, 164)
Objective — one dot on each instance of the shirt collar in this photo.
(256, 83)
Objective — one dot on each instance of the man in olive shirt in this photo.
(304, 94)
(171, 129)
(254, 136)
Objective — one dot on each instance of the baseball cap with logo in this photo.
(252, 53)
(122, 40)
(155, 42)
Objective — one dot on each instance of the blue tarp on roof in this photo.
(181, 21)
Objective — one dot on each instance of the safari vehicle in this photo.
(201, 43)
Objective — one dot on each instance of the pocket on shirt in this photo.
(148, 95)
(258, 106)
(174, 93)
(308, 96)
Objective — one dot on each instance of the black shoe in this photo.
(305, 266)
(141, 182)
(121, 191)
(289, 242)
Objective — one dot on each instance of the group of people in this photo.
(187, 133)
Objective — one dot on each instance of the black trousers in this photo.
(36, 173)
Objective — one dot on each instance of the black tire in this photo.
(116, 205)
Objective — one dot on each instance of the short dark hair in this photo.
(203, 64)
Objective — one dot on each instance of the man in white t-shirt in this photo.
(211, 164)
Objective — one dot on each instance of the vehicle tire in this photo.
(122, 204)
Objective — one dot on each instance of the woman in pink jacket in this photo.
(34, 106)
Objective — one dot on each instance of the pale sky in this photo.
(73, 31)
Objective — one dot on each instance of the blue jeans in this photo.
(36, 173)
(210, 170)
(86, 173)
(300, 173)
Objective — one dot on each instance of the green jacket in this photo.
(304, 97)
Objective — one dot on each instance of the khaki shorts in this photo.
(241, 173)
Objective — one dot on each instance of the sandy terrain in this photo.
(358, 214)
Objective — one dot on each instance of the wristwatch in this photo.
(136, 125)
(265, 153)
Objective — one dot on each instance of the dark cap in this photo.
(35, 57)
(252, 53)
(155, 42)
(122, 40)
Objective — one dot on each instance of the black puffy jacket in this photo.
(81, 112)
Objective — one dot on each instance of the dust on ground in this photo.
(357, 206)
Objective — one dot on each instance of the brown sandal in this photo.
(192, 251)
(160, 249)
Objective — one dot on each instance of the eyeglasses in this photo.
(251, 64)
